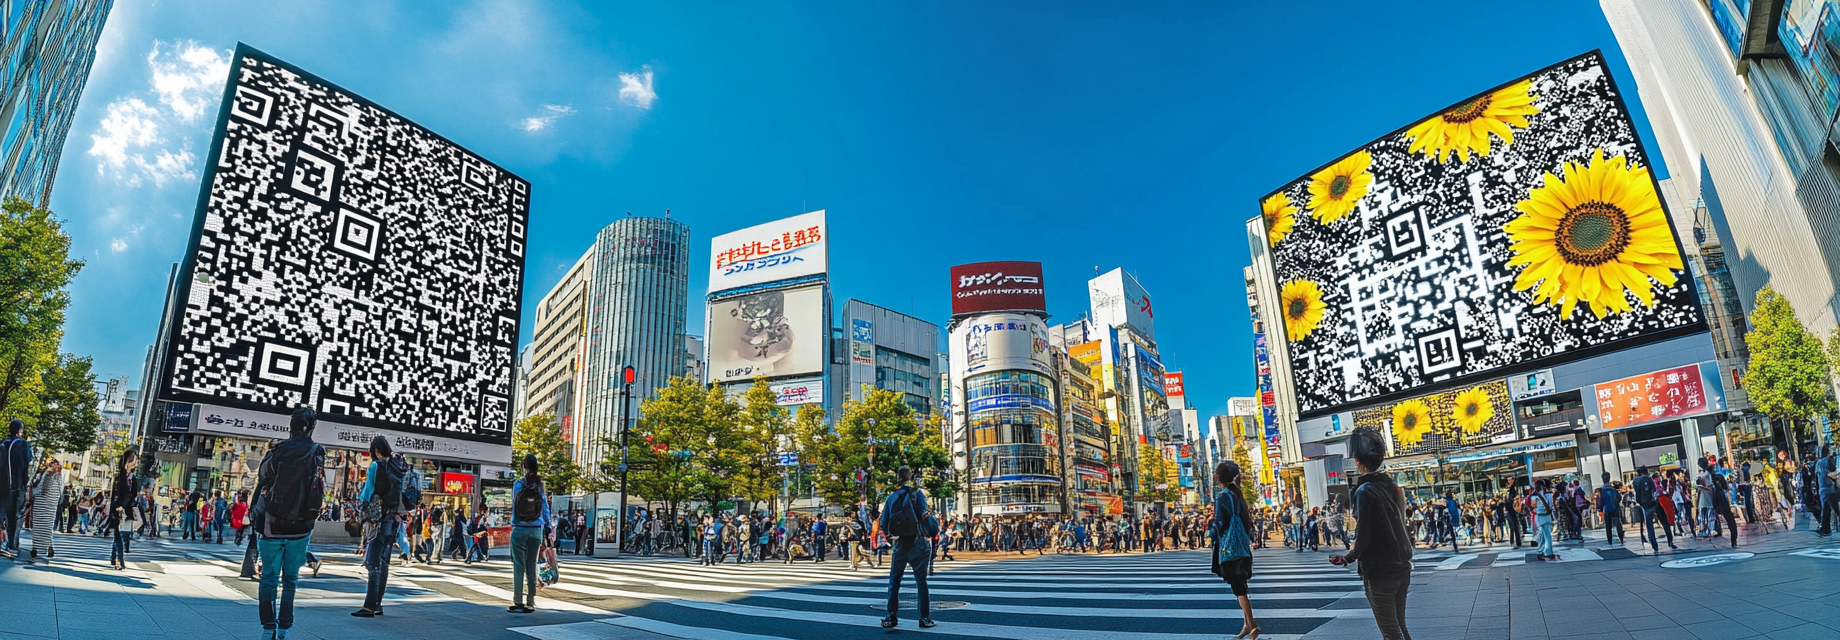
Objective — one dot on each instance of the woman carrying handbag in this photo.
(1231, 533)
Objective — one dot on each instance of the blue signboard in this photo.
(1009, 401)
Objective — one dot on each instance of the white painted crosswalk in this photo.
(1166, 596)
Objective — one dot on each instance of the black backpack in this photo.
(387, 488)
(292, 503)
(904, 515)
(527, 506)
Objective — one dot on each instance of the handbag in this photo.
(1232, 543)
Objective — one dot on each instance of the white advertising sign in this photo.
(799, 392)
(1001, 342)
(115, 398)
(778, 250)
(1522, 386)
(1117, 299)
(244, 423)
(767, 333)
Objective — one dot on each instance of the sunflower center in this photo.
(1297, 307)
(1411, 421)
(1339, 186)
(1470, 410)
(1469, 110)
(1592, 233)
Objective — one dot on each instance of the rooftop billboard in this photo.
(779, 250)
(775, 333)
(1516, 228)
(997, 286)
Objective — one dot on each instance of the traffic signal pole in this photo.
(619, 543)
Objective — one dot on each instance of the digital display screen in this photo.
(1519, 227)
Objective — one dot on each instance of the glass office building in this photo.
(635, 304)
(50, 45)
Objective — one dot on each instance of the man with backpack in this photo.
(15, 472)
(817, 538)
(1610, 505)
(1646, 497)
(289, 492)
(1826, 476)
(906, 521)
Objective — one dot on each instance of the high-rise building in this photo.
(50, 45)
(1089, 463)
(1742, 98)
(887, 349)
(1003, 375)
(622, 303)
(1123, 322)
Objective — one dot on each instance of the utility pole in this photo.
(625, 423)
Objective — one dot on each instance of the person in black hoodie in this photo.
(121, 509)
(1381, 543)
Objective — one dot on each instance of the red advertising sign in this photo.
(1172, 384)
(456, 483)
(997, 286)
(1661, 395)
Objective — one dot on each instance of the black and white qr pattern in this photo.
(351, 261)
(1416, 280)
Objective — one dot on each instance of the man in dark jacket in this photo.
(15, 474)
(287, 503)
(910, 548)
(1651, 510)
(1381, 543)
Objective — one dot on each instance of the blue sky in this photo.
(1079, 134)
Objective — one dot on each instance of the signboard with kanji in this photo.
(1652, 397)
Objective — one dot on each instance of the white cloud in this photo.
(636, 88)
(185, 81)
(128, 125)
(188, 77)
(119, 245)
(547, 117)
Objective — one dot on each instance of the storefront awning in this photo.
(1513, 448)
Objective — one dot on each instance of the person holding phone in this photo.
(1381, 544)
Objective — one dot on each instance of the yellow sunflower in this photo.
(1333, 191)
(1474, 410)
(1411, 421)
(1592, 236)
(1467, 127)
(1280, 217)
(1303, 307)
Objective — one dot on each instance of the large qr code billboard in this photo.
(347, 259)
(1518, 227)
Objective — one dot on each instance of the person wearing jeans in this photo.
(383, 486)
(1381, 544)
(529, 528)
(909, 550)
(281, 523)
(121, 509)
(1610, 504)
(1648, 499)
(1543, 510)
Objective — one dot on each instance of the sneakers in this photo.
(281, 634)
(268, 634)
(889, 622)
(927, 623)
(315, 565)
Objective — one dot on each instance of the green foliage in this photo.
(1248, 479)
(541, 435)
(1788, 378)
(879, 434)
(67, 406)
(1154, 469)
(108, 452)
(35, 266)
(686, 446)
(766, 430)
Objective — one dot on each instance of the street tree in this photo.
(1788, 378)
(67, 417)
(685, 446)
(877, 435)
(1248, 478)
(766, 431)
(541, 435)
(1152, 470)
(35, 267)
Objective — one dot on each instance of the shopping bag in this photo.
(548, 570)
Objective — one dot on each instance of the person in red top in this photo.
(239, 515)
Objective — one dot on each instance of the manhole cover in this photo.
(910, 605)
(1706, 561)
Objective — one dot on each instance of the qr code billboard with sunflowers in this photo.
(1514, 229)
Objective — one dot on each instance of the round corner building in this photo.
(1003, 373)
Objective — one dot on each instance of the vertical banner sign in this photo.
(862, 341)
(1172, 387)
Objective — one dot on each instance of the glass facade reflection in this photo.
(1015, 444)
